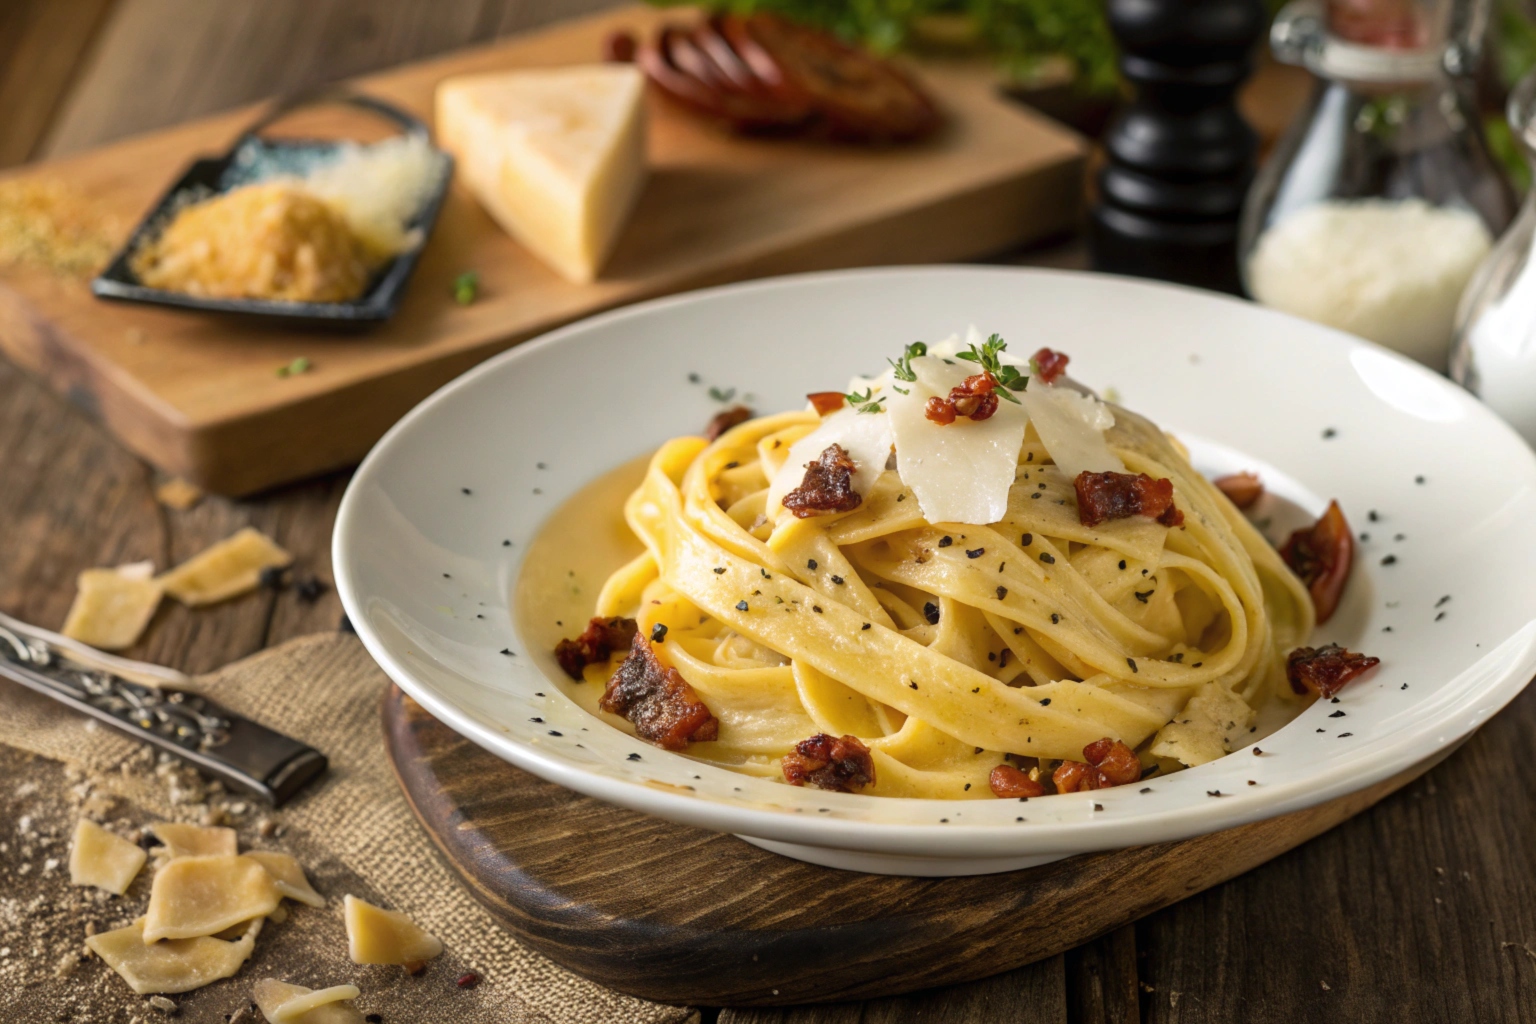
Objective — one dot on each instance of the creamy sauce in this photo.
(573, 554)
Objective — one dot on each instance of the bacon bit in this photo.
(1102, 496)
(1007, 781)
(827, 487)
(1242, 489)
(725, 420)
(1110, 763)
(600, 639)
(469, 980)
(841, 765)
(658, 700)
(1325, 670)
(1321, 557)
(826, 402)
(1050, 364)
(973, 399)
(619, 48)
(939, 410)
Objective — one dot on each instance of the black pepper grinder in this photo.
(1179, 155)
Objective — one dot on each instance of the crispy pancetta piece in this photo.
(1325, 670)
(1007, 782)
(1321, 556)
(1104, 496)
(826, 402)
(596, 644)
(973, 399)
(658, 701)
(725, 420)
(1049, 364)
(1109, 763)
(827, 487)
(823, 761)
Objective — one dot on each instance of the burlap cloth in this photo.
(353, 832)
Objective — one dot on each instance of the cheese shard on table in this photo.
(556, 155)
(282, 1003)
(288, 876)
(99, 858)
(175, 965)
(228, 569)
(111, 608)
(193, 896)
(376, 936)
(180, 839)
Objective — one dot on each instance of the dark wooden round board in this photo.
(681, 915)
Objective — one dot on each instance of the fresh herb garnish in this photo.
(293, 369)
(903, 366)
(722, 396)
(1008, 377)
(865, 401)
(466, 288)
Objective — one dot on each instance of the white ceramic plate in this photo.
(426, 577)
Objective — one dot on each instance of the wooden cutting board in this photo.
(200, 396)
(680, 915)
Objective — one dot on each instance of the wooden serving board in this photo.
(200, 396)
(680, 915)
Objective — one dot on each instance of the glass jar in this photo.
(1383, 198)
(1495, 352)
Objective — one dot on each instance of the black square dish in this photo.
(210, 176)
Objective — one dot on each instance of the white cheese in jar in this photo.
(1390, 270)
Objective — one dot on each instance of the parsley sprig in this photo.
(865, 401)
(1008, 377)
(903, 366)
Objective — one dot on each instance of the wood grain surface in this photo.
(1422, 908)
(199, 395)
(718, 920)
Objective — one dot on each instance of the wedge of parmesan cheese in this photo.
(196, 896)
(176, 965)
(111, 608)
(228, 569)
(376, 936)
(282, 1003)
(959, 472)
(556, 155)
(179, 839)
(99, 858)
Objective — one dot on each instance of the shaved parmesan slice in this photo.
(193, 896)
(282, 1003)
(288, 876)
(176, 965)
(228, 569)
(376, 936)
(865, 436)
(99, 858)
(1211, 725)
(959, 472)
(183, 840)
(1071, 425)
(111, 608)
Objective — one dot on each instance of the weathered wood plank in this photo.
(42, 43)
(164, 61)
(1030, 995)
(1423, 908)
(1102, 980)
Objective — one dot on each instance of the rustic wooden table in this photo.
(1421, 909)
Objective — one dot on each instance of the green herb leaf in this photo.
(865, 401)
(903, 366)
(466, 288)
(293, 369)
(722, 396)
